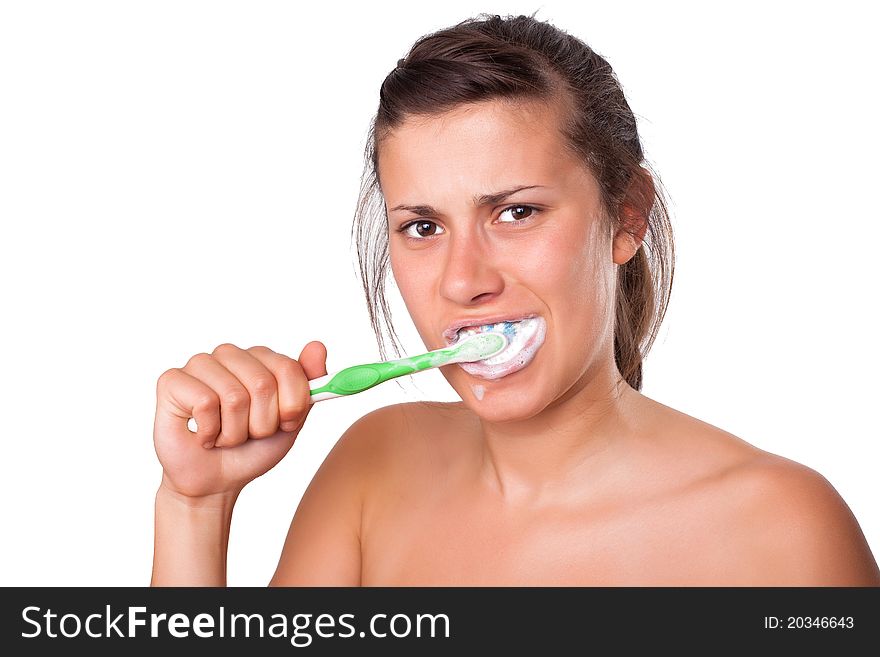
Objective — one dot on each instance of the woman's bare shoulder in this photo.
(785, 521)
(803, 532)
(367, 463)
(400, 433)
(788, 517)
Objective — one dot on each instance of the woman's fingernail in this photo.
(208, 445)
(288, 426)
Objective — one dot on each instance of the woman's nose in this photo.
(470, 275)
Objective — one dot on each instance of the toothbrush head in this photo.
(479, 347)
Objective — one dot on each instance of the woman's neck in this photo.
(569, 443)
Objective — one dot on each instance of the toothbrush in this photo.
(358, 378)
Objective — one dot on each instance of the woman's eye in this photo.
(424, 228)
(421, 228)
(518, 212)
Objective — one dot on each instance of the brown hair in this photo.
(521, 58)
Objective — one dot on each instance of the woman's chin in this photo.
(498, 396)
(499, 403)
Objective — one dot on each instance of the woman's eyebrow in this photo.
(479, 200)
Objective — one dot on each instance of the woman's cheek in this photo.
(536, 256)
(415, 281)
(554, 262)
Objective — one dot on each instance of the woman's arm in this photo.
(191, 539)
(249, 406)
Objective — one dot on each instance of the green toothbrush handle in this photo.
(358, 378)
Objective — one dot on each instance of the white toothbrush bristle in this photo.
(482, 345)
(517, 332)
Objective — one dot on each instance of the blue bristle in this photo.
(507, 328)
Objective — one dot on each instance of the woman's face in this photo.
(467, 248)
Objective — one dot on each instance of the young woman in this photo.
(505, 183)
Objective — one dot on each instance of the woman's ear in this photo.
(632, 220)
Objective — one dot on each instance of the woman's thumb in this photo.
(313, 359)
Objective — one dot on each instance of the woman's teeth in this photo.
(524, 338)
(507, 328)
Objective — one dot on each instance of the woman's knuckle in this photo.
(167, 377)
(299, 404)
(263, 385)
(205, 401)
(198, 358)
(289, 368)
(236, 399)
(226, 347)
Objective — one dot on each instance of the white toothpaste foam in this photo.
(525, 338)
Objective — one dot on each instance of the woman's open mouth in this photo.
(525, 337)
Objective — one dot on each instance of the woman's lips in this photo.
(513, 362)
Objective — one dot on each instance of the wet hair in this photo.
(519, 58)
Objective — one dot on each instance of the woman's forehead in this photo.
(489, 141)
(475, 125)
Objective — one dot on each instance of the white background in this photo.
(174, 175)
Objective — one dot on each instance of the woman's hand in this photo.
(249, 406)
